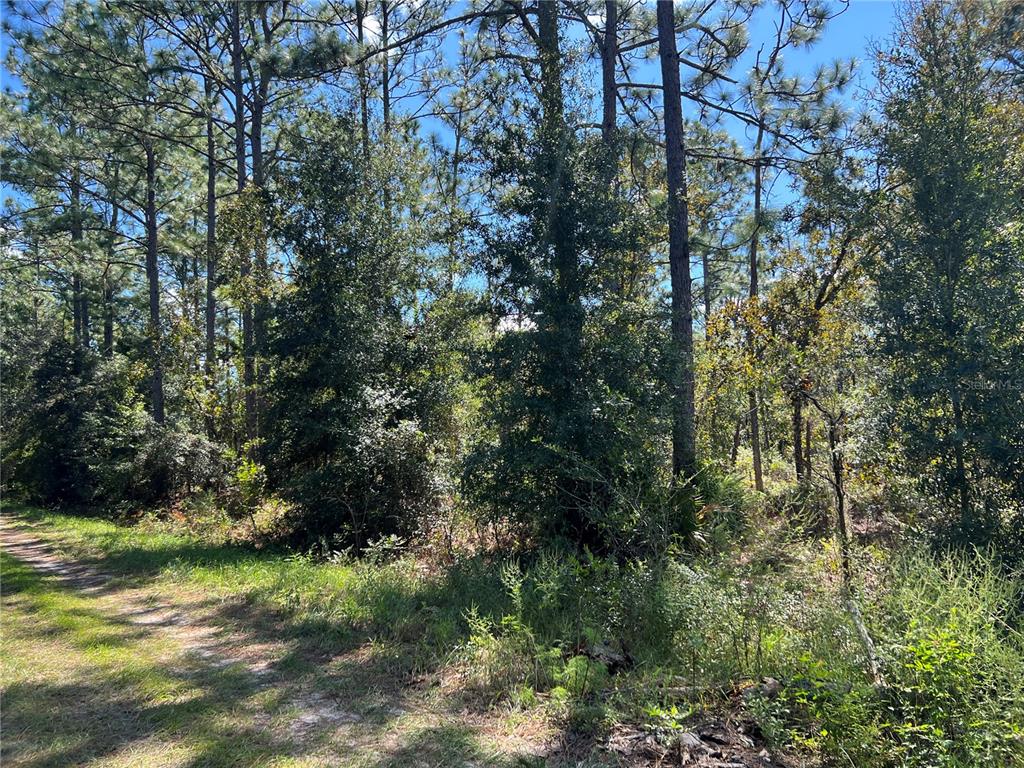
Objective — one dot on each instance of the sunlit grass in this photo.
(514, 635)
(84, 685)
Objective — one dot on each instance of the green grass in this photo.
(334, 602)
(84, 685)
(509, 637)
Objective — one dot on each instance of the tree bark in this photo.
(153, 278)
(684, 454)
(238, 91)
(108, 317)
(248, 361)
(798, 436)
(385, 78)
(609, 93)
(755, 432)
(838, 483)
(80, 300)
(364, 110)
(211, 252)
(108, 286)
(807, 449)
(76, 308)
(735, 442)
(260, 309)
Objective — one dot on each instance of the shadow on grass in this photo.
(337, 687)
(93, 686)
(448, 746)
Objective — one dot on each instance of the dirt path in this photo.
(265, 698)
(108, 671)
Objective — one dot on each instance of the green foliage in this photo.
(949, 636)
(83, 436)
(949, 310)
(948, 633)
(952, 636)
(38, 457)
(350, 391)
(573, 399)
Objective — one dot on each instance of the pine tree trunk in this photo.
(153, 278)
(211, 253)
(364, 109)
(609, 93)
(684, 458)
(80, 301)
(248, 361)
(108, 317)
(385, 76)
(798, 436)
(260, 309)
(755, 432)
(108, 286)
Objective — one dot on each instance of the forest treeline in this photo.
(577, 272)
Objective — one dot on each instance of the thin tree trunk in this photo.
(385, 85)
(707, 287)
(798, 436)
(211, 252)
(35, 294)
(76, 308)
(79, 302)
(108, 286)
(238, 91)
(754, 241)
(86, 322)
(834, 429)
(755, 442)
(108, 316)
(735, 442)
(260, 309)
(248, 362)
(364, 111)
(609, 93)
(807, 449)
(684, 453)
(153, 278)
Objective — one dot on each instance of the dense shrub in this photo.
(352, 385)
(82, 435)
(949, 636)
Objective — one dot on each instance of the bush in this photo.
(948, 633)
(352, 387)
(83, 435)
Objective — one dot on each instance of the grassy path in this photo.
(103, 668)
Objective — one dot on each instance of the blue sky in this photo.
(851, 35)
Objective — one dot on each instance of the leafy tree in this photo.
(949, 313)
(344, 436)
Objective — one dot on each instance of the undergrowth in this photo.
(596, 642)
